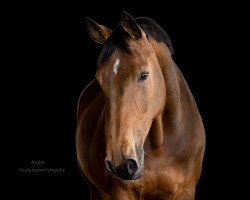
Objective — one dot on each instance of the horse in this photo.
(139, 132)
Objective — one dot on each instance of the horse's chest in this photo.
(160, 179)
(159, 183)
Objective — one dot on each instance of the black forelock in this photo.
(118, 37)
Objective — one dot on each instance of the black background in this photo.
(48, 58)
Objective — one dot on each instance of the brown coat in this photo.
(150, 123)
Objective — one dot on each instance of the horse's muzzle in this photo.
(128, 170)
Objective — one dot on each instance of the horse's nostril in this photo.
(110, 166)
(131, 166)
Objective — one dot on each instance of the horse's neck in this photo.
(180, 104)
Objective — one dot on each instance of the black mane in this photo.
(118, 38)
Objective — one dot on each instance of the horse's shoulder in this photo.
(88, 94)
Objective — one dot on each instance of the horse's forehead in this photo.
(122, 63)
(135, 57)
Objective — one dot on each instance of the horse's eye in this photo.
(143, 76)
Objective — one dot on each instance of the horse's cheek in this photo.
(141, 99)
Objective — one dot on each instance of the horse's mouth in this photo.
(124, 177)
(134, 176)
(129, 169)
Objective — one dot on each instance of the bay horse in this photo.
(139, 133)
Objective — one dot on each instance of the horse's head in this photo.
(133, 85)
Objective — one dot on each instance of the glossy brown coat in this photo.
(173, 143)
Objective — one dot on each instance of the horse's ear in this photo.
(130, 26)
(97, 32)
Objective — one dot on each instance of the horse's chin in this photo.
(136, 177)
(133, 177)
